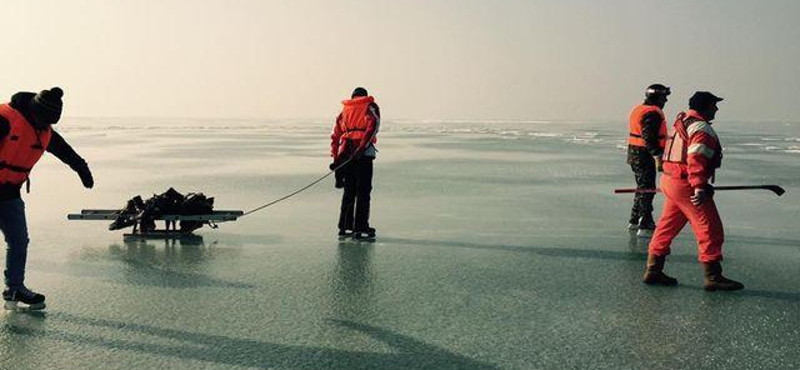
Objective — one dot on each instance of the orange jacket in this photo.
(635, 125)
(693, 151)
(357, 123)
(21, 148)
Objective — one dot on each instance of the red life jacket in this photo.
(354, 121)
(21, 148)
(635, 125)
(677, 143)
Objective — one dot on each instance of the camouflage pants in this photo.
(644, 170)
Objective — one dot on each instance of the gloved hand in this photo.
(659, 164)
(339, 176)
(336, 163)
(702, 194)
(359, 152)
(86, 176)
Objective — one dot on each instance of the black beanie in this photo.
(359, 91)
(46, 105)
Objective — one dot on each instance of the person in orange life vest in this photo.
(25, 134)
(647, 135)
(354, 138)
(692, 155)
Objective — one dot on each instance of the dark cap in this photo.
(47, 104)
(702, 100)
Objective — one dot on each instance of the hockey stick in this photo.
(773, 188)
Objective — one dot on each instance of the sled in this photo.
(170, 230)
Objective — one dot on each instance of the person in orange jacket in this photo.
(647, 135)
(25, 134)
(354, 137)
(693, 153)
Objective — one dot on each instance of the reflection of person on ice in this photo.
(354, 137)
(692, 154)
(25, 134)
(646, 140)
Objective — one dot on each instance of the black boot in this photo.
(344, 234)
(633, 222)
(646, 226)
(31, 300)
(714, 279)
(364, 234)
(654, 273)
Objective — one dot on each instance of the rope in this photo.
(298, 191)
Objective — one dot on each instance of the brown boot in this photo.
(654, 274)
(715, 281)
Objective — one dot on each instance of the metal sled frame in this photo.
(170, 230)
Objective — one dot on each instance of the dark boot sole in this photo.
(713, 288)
(659, 281)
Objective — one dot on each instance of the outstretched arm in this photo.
(59, 148)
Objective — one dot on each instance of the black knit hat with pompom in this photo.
(46, 105)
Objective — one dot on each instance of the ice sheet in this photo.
(492, 254)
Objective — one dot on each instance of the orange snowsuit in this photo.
(692, 154)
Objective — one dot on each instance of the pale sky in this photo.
(422, 59)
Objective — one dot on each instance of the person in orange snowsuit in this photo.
(693, 153)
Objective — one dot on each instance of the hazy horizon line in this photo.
(419, 120)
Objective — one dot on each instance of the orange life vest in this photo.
(354, 118)
(635, 125)
(21, 148)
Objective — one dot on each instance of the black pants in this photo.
(354, 213)
(644, 170)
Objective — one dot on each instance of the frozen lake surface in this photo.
(501, 246)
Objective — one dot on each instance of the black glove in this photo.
(358, 153)
(339, 176)
(336, 163)
(86, 176)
